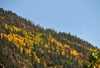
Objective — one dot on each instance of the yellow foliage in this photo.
(49, 51)
(17, 45)
(51, 40)
(10, 39)
(46, 45)
(63, 49)
(24, 44)
(64, 39)
(38, 60)
(74, 52)
(31, 44)
(41, 51)
(21, 49)
(67, 46)
(49, 35)
(26, 41)
(5, 25)
(63, 53)
(70, 57)
(44, 64)
(56, 66)
(5, 35)
(57, 50)
(67, 56)
(28, 44)
(60, 66)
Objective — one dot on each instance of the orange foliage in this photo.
(45, 64)
(3, 17)
(56, 66)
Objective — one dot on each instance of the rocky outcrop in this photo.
(13, 58)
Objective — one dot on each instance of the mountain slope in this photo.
(39, 48)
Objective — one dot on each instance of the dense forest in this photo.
(25, 45)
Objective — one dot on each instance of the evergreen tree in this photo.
(1, 10)
(19, 50)
(23, 53)
(32, 58)
(16, 65)
(4, 42)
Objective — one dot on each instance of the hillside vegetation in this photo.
(24, 45)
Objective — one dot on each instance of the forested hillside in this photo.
(25, 45)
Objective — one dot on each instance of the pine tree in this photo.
(32, 58)
(16, 64)
(19, 50)
(4, 42)
(23, 53)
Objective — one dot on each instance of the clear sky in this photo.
(79, 17)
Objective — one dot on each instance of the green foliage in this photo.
(93, 59)
(67, 61)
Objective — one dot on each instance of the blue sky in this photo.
(79, 17)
